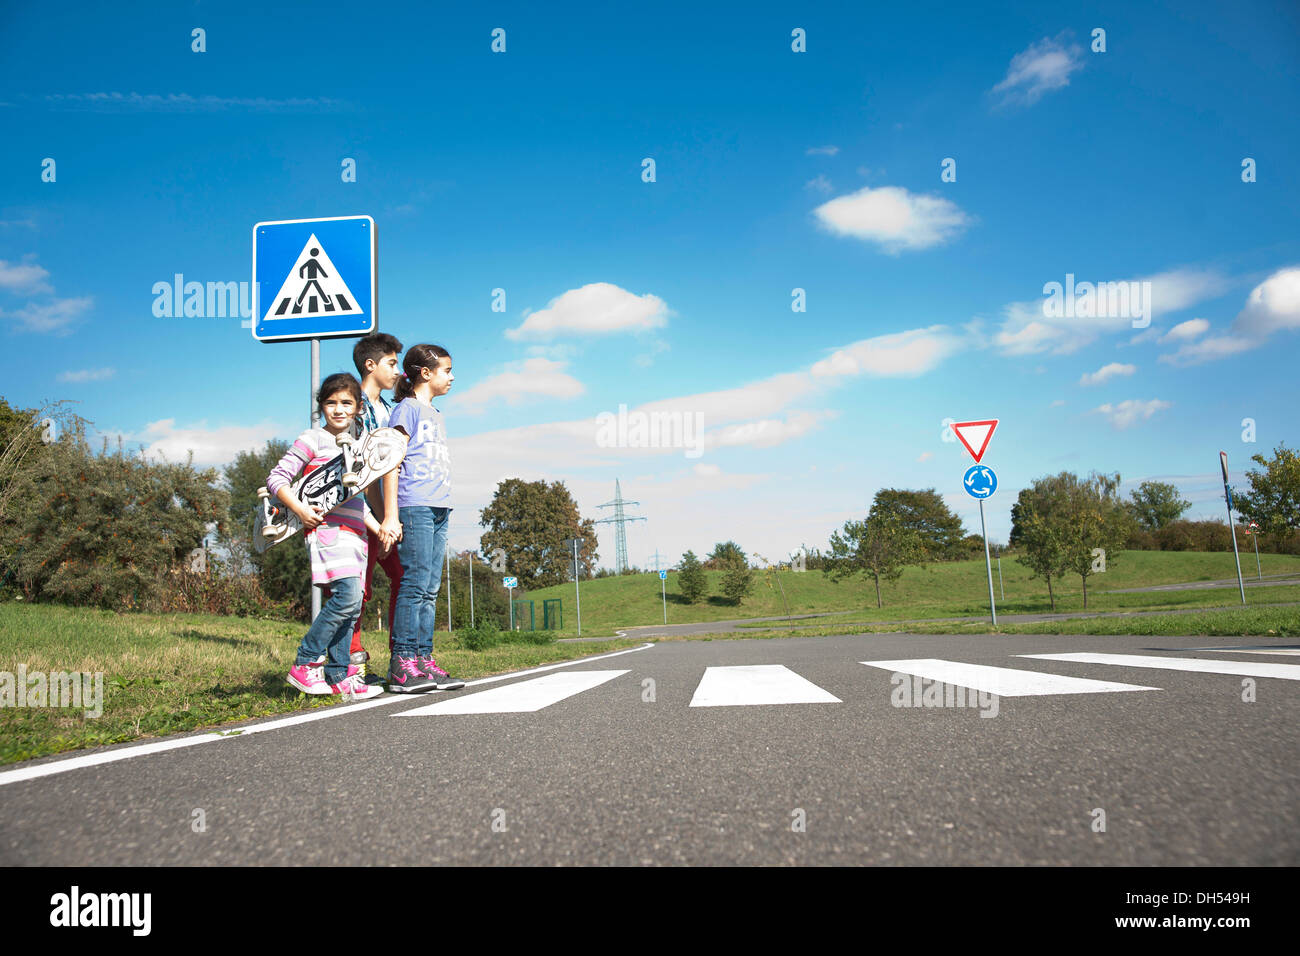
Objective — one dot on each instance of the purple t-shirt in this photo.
(425, 478)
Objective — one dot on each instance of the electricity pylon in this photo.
(619, 521)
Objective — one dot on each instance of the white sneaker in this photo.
(354, 687)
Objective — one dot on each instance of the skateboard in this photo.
(359, 464)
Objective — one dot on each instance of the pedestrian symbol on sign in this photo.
(311, 267)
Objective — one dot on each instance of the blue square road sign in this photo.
(314, 279)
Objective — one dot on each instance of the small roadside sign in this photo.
(975, 436)
(663, 575)
(511, 582)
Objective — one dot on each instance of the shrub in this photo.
(482, 635)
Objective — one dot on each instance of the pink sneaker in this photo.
(354, 687)
(309, 678)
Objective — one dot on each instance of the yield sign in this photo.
(975, 435)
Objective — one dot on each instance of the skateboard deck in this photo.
(359, 464)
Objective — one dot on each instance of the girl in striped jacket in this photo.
(336, 542)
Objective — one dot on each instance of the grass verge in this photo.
(167, 673)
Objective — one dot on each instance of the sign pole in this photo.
(988, 564)
(576, 590)
(448, 590)
(471, 589)
(1259, 571)
(1227, 494)
(315, 421)
(663, 590)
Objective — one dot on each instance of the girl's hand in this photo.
(389, 534)
(312, 517)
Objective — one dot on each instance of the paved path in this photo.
(782, 751)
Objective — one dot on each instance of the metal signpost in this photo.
(573, 544)
(448, 590)
(663, 590)
(321, 281)
(1227, 494)
(511, 584)
(980, 481)
(471, 589)
(1252, 529)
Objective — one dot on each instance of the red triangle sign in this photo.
(975, 435)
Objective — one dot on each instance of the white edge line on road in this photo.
(93, 760)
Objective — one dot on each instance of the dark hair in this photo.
(338, 382)
(374, 347)
(417, 357)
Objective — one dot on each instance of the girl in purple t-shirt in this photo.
(423, 508)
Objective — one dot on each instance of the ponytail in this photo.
(417, 357)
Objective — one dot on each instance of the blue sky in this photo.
(775, 170)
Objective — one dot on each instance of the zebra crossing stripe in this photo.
(1290, 650)
(1196, 665)
(752, 685)
(1002, 681)
(522, 698)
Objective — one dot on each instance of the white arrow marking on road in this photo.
(1289, 649)
(1003, 681)
(751, 685)
(1240, 668)
(522, 698)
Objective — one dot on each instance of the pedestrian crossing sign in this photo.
(314, 278)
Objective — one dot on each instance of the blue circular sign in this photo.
(980, 481)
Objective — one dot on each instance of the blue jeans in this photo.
(331, 632)
(421, 550)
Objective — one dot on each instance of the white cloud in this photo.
(53, 316)
(1186, 331)
(893, 218)
(768, 432)
(899, 354)
(647, 358)
(1106, 373)
(1128, 413)
(1026, 330)
(1057, 404)
(522, 381)
(820, 183)
(1040, 68)
(186, 103)
(821, 150)
(87, 375)
(1272, 306)
(925, 456)
(594, 309)
(23, 278)
(211, 446)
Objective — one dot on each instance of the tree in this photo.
(285, 570)
(1041, 513)
(1097, 525)
(1155, 504)
(925, 513)
(691, 579)
(529, 521)
(737, 582)
(726, 554)
(882, 546)
(1274, 497)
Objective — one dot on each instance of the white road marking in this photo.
(141, 750)
(756, 684)
(522, 698)
(1002, 681)
(1292, 650)
(1240, 668)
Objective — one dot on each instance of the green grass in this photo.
(940, 590)
(165, 673)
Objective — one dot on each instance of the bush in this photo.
(482, 635)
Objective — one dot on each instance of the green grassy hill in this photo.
(939, 590)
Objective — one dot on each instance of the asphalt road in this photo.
(628, 772)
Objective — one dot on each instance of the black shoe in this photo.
(405, 676)
(440, 677)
